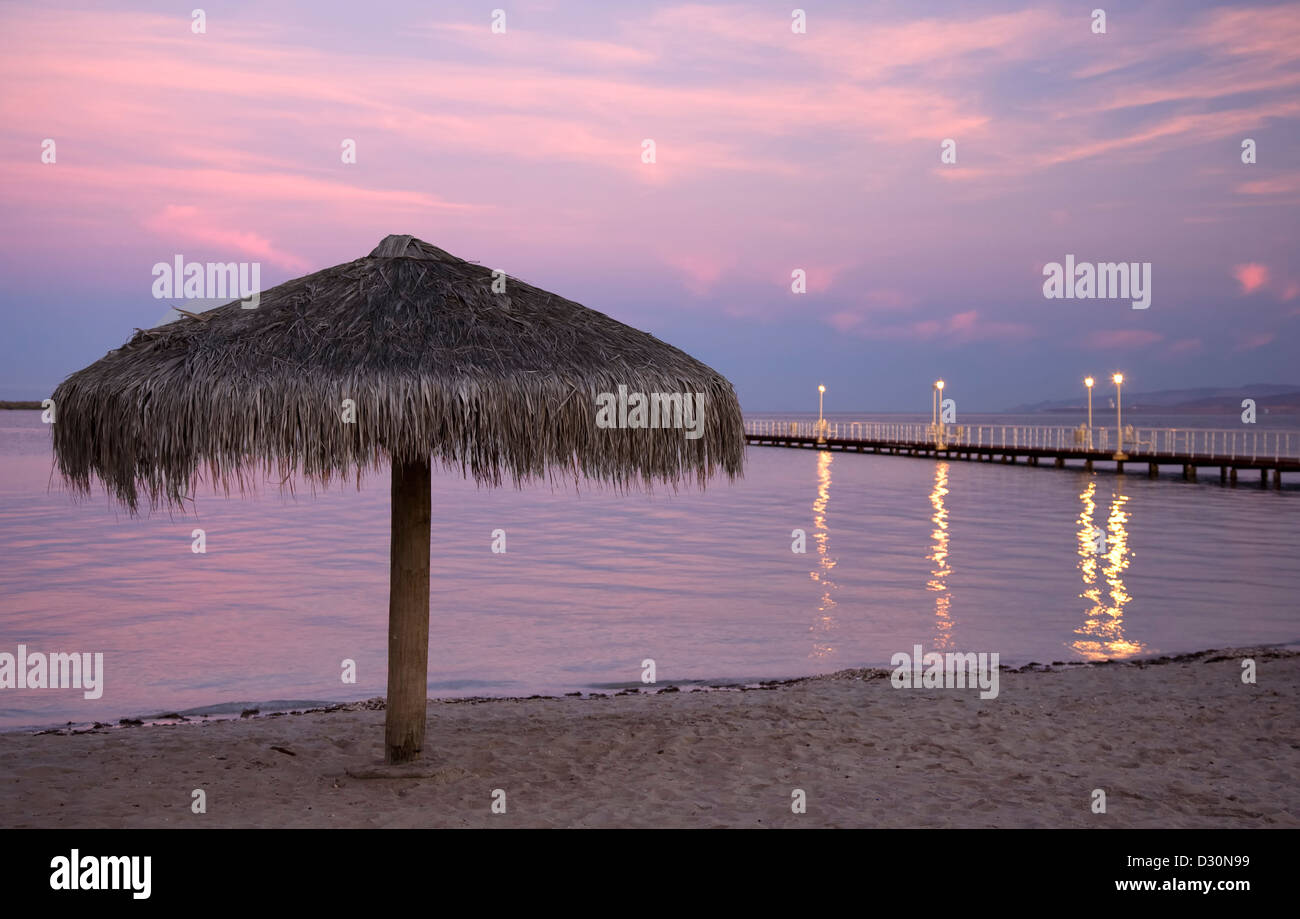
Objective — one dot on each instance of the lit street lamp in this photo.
(821, 392)
(936, 389)
(1119, 416)
(1088, 382)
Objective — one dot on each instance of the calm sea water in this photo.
(900, 551)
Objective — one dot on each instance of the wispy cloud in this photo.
(182, 224)
(1122, 339)
(955, 329)
(1253, 340)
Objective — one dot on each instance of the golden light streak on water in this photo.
(824, 623)
(1104, 561)
(939, 555)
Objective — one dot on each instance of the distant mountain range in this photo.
(1276, 398)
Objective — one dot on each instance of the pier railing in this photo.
(1193, 443)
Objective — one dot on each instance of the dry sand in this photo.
(1178, 742)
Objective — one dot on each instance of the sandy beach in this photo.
(1174, 742)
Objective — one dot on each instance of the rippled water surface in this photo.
(1035, 563)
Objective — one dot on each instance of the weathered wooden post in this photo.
(408, 611)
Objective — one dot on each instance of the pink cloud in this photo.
(862, 51)
(959, 328)
(189, 224)
(1278, 185)
(819, 278)
(845, 320)
(699, 271)
(1271, 35)
(1256, 340)
(960, 173)
(884, 300)
(535, 46)
(1251, 276)
(1143, 138)
(1245, 50)
(1122, 338)
(1187, 346)
(1246, 75)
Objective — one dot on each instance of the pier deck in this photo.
(1188, 449)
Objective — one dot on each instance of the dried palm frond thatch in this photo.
(436, 363)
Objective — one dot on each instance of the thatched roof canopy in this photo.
(498, 385)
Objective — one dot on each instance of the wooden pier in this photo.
(1190, 450)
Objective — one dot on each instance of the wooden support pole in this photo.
(1060, 462)
(1119, 466)
(1153, 470)
(408, 612)
(1277, 478)
(1087, 465)
(1223, 474)
(1233, 476)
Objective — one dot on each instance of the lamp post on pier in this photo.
(821, 423)
(939, 424)
(1089, 382)
(1118, 379)
(938, 392)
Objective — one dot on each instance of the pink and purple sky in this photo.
(774, 151)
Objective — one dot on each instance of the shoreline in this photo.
(1177, 741)
(274, 708)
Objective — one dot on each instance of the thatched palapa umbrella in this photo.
(438, 366)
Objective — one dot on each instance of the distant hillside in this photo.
(21, 405)
(1277, 398)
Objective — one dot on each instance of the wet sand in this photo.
(1173, 742)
